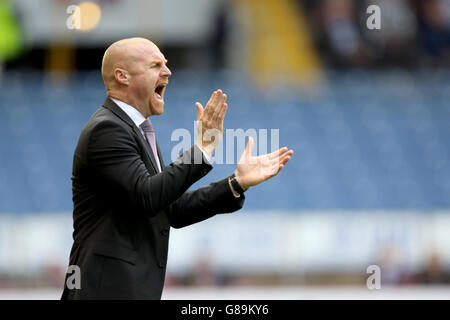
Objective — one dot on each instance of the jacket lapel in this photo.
(113, 107)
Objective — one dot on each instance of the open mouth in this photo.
(159, 90)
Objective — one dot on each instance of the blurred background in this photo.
(367, 112)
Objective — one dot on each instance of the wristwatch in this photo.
(235, 184)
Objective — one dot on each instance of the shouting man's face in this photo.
(149, 78)
(135, 71)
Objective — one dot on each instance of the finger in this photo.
(210, 102)
(223, 112)
(275, 168)
(249, 148)
(199, 110)
(221, 116)
(215, 100)
(276, 162)
(276, 157)
(277, 153)
(284, 161)
(218, 98)
(286, 154)
(219, 107)
(212, 96)
(282, 158)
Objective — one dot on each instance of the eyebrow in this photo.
(157, 61)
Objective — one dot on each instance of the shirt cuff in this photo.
(205, 155)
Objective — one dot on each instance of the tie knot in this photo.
(147, 126)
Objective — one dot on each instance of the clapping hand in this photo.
(209, 124)
(254, 170)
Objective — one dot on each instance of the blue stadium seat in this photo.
(369, 141)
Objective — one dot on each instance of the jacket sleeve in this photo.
(114, 157)
(203, 203)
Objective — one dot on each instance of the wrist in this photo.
(237, 184)
(240, 180)
(206, 149)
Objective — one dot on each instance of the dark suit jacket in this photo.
(123, 208)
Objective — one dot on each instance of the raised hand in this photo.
(254, 170)
(209, 124)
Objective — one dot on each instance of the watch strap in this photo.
(235, 184)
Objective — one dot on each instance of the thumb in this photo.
(199, 110)
(249, 148)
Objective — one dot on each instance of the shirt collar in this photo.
(132, 112)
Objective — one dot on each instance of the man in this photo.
(125, 198)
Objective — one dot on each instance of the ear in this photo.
(122, 76)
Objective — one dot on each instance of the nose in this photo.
(165, 72)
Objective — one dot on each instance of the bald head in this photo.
(134, 71)
(124, 54)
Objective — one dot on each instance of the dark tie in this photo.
(149, 133)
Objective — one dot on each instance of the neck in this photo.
(123, 96)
